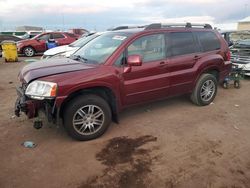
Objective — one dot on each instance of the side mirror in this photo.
(134, 60)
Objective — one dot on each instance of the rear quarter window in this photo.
(182, 43)
(208, 40)
(57, 36)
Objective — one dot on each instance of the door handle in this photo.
(162, 64)
(197, 57)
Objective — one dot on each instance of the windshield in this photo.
(100, 48)
(82, 41)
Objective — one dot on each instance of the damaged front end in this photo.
(36, 99)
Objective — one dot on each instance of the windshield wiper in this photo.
(78, 57)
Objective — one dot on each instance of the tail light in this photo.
(227, 55)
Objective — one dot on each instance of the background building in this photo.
(244, 24)
(29, 28)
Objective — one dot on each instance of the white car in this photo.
(67, 50)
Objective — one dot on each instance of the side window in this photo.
(57, 36)
(151, 47)
(120, 60)
(208, 41)
(44, 37)
(182, 43)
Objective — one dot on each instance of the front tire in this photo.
(87, 117)
(29, 51)
(205, 90)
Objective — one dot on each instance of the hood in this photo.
(59, 49)
(49, 67)
(25, 40)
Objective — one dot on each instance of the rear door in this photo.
(149, 81)
(184, 53)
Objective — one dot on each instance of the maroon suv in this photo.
(37, 44)
(120, 69)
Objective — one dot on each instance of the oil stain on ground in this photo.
(127, 165)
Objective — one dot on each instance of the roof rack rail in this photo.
(186, 25)
(124, 27)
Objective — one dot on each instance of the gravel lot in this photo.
(171, 143)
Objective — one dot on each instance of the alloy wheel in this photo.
(29, 52)
(207, 90)
(88, 119)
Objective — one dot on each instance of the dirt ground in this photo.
(171, 143)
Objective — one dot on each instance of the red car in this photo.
(123, 68)
(37, 44)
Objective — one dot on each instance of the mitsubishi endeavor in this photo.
(123, 68)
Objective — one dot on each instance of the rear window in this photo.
(182, 43)
(208, 40)
(71, 35)
(57, 36)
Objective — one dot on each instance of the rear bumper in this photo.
(225, 71)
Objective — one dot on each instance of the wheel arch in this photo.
(214, 70)
(210, 64)
(106, 93)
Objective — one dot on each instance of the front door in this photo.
(150, 80)
(59, 39)
(40, 44)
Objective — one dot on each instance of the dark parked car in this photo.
(123, 68)
(7, 37)
(37, 44)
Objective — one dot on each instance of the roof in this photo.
(246, 19)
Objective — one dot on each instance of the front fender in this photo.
(87, 86)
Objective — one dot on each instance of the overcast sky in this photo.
(103, 14)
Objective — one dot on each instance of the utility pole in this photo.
(63, 24)
(246, 7)
(1, 25)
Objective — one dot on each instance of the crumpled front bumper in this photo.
(23, 104)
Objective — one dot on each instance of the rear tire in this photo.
(205, 90)
(87, 117)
